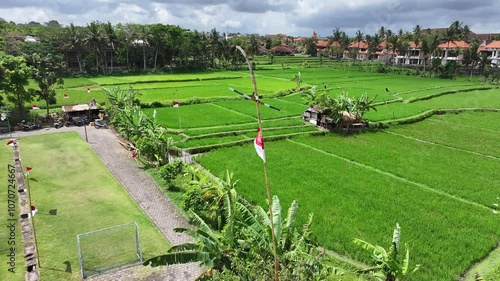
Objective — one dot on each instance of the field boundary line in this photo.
(444, 146)
(465, 126)
(371, 168)
(232, 110)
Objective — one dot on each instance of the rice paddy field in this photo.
(438, 178)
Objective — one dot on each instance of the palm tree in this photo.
(127, 35)
(110, 39)
(253, 47)
(94, 40)
(471, 56)
(392, 42)
(344, 42)
(74, 41)
(417, 36)
(214, 46)
(484, 65)
(337, 37)
(381, 32)
(157, 36)
(359, 37)
(144, 33)
(425, 47)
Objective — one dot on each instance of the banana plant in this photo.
(389, 265)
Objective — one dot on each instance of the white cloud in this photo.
(292, 17)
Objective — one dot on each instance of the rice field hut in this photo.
(323, 117)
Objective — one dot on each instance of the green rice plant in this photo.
(197, 115)
(351, 201)
(438, 129)
(248, 108)
(475, 99)
(437, 168)
(291, 121)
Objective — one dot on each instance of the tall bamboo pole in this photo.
(256, 95)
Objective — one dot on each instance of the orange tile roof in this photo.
(362, 45)
(301, 38)
(493, 45)
(414, 46)
(322, 44)
(454, 44)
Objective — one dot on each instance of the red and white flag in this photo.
(28, 169)
(259, 145)
(88, 90)
(35, 107)
(11, 143)
(33, 210)
(134, 155)
(175, 104)
(66, 96)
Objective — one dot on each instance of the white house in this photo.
(450, 51)
(493, 51)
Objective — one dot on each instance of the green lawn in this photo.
(69, 177)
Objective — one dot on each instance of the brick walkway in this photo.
(160, 209)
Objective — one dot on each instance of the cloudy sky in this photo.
(291, 17)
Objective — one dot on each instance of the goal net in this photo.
(108, 248)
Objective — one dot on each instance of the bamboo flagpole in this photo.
(261, 138)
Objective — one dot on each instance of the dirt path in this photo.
(147, 195)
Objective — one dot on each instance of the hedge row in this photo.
(428, 97)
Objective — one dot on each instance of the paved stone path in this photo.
(148, 196)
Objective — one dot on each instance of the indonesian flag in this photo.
(66, 96)
(175, 104)
(28, 169)
(134, 155)
(33, 210)
(35, 107)
(11, 142)
(259, 145)
(88, 90)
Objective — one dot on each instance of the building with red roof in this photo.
(493, 51)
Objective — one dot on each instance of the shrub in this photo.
(170, 171)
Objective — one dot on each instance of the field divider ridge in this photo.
(464, 126)
(444, 146)
(374, 169)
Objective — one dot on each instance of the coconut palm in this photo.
(94, 40)
(359, 37)
(392, 42)
(471, 57)
(110, 40)
(381, 32)
(74, 41)
(143, 34)
(127, 35)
